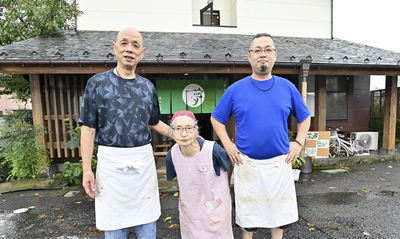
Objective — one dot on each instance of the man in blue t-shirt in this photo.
(119, 108)
(261, 103)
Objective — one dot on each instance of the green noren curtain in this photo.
(198, 96)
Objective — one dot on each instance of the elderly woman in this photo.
(204, 201)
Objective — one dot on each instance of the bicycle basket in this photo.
(334, 136)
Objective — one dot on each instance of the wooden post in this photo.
(37, 107)
(320, 103)
(304, 91)
(389, 126)
(304, 69)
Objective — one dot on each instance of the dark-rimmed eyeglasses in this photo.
(188, 129)
(258, 51)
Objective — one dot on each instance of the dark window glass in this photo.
(337, 97)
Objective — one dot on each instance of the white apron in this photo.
(127, 187)
(265, 195)
(205, 201)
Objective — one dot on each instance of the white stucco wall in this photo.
(301, 18)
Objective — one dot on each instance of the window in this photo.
(337, 92)
(206, 18)
(210, 13)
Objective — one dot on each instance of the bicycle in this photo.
(342, 148)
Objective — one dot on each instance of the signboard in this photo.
(317, 144)
(198, 96)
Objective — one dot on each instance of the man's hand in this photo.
(88, 184)
(233, 153)
(294, 151)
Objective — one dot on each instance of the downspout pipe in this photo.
(76, 19)
(331, 19)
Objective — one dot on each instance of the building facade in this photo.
(194, 50)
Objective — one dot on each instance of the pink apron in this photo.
(204, 201)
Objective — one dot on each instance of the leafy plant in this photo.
(5, 167)
(16, 86)
(73, 172)
(75, 134)
(20, 149)
(300, 160)
(377, 125)
(21, 19)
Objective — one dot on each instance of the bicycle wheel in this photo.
(332, 151)
(360, 148)
(337, 151)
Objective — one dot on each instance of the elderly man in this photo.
(265, 196)
(118, 110)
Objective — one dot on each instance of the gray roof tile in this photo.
(72, 45)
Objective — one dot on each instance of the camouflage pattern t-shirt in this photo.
(120, 110)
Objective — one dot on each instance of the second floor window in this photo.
(208, 16)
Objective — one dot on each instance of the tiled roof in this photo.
(97, 45)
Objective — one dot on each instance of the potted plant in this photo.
(295, 167)
(299, 161)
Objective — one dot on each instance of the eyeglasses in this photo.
(267, 51)
(179, 130)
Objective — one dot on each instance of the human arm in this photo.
(160, 128)
(169, 164)
(229, 146)
(295, 148)
(87, 145)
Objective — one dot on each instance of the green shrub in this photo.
(75, 134)
(5, 167)
(377, 126)
(73, 172)
(20, 150)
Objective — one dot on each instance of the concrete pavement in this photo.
(362, 202)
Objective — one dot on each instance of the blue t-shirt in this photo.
(261, 116)
(120, 110)
(220, 159)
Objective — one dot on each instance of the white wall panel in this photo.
(299, 18)
(142, 21)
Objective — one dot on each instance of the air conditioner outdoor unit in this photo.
(369, 138)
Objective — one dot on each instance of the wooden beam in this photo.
(212, 68)
(389, 125)
(354, 72)
(37, 107)
(70, 112)
(48, 116)
(55, 113)
(142, 69)
(62, 89)
(320, 103)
